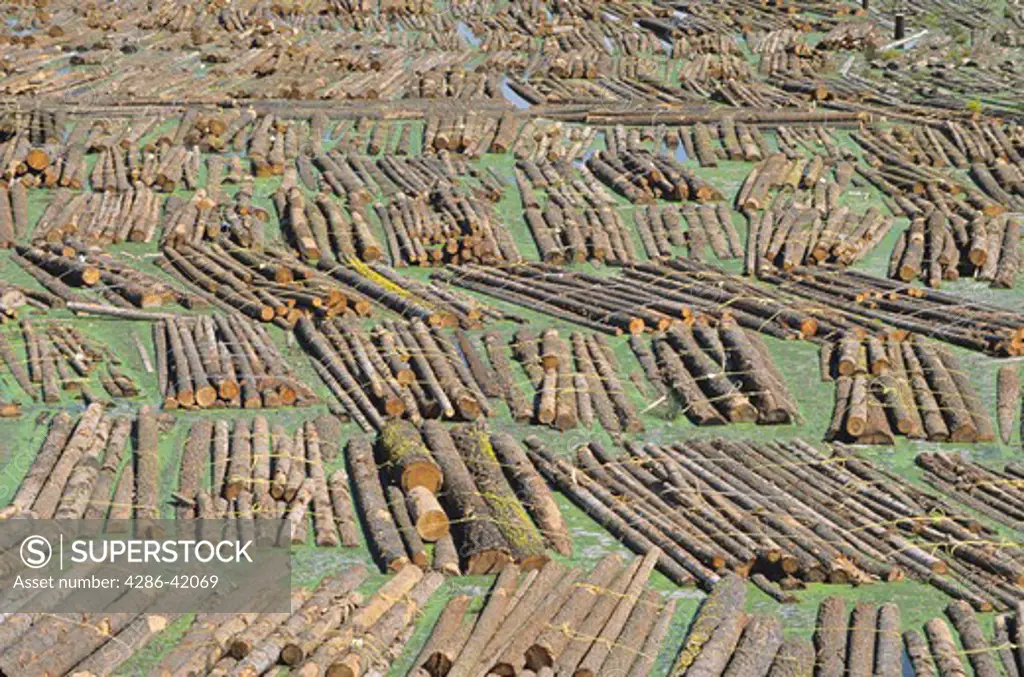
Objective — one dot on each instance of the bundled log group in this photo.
(84, 469)
(770, 508)
(940, 245)
(59, 358)
(862, 638)
(274, 286)
(916, 388)
(606, 621)
(710, 144)
(641, 177)
(223, 361)
(474, 495)
(650, 296)
(69, 270)
(876, 303)
(254, 470)
(724, 639)
(331, 630)
(993, 493)
(718, 373)
(571, 386)
(398, 370)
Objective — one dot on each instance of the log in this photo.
(534, 493)
(1007, 399)
(407, 459)
(378, 524)
(430, 520)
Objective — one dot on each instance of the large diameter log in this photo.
(795, 658)
(830, 637)
(407, 459)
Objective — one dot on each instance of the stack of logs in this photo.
(255, 470)
(274, 286)
(719, 373)
(78, 472)
(571, 387)
(318, 228)
(875, 303)
(722, 505)
(887, 387)
(649, 296)
(736, 142)
(59, 358)
(642, 177)
(98, 218)
(63, 268)
(579, 221)
(474, 495)
(940, 245)
(724, 639)
(331, 630)
(558, 620)
(993, 493)
(223, 361)
(397, 370)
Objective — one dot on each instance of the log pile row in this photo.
(84, 470)
(99, 218)
(223, 360)
(718, 373)
(900, 175)
(67, 270)
(993, 493)
(724, 639)
(710, 144)
(473, 495)
(823, 178)
(650, 296)
(571, 386)
(331, 630)
(58, 358)
(398, 370)
(785, 54)
(790, 235)
(251, 470)
(877, 303)
(794, 141)
(888, 387)
(641, 177)
(606, 621)
(319, 229)
(275, 286)
(940, 245)
(721, 505)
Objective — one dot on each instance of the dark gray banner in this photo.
(164, 566)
